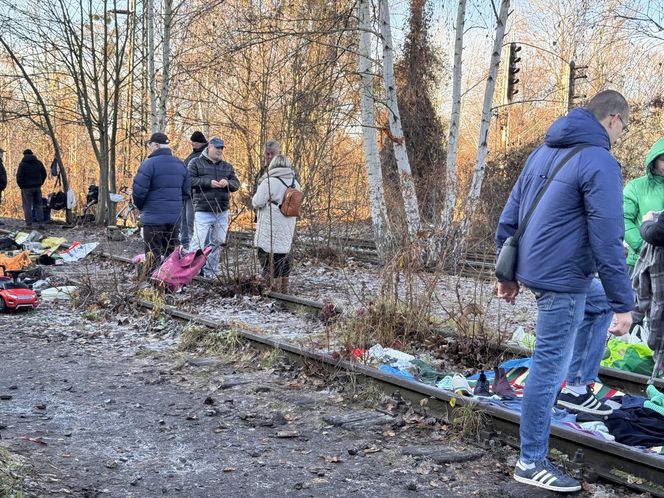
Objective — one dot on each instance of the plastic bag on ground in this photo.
(64, 293)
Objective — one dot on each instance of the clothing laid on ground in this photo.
(637, 426)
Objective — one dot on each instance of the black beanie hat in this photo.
(26, 152)
(198, 136)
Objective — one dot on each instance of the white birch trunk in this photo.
(400, 154)
(151, 71)
(483, 147)
(379, 217)
(447, 216)
(166, 71)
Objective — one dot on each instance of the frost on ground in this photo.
(106, 405)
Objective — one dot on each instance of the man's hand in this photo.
(649, 216)
(508, 291)
(621, 324)
(223, 183)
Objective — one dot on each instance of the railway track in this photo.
(475, 264)
(616, 463)
(610, 461)
(613, 462)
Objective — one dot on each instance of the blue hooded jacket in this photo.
(577, 228)
(160, 184)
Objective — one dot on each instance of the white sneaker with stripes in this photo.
(545, 475)
(586, 403)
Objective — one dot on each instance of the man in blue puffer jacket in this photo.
(160, 185)
(575, 232)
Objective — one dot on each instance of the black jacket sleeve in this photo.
(3, 177)
(233, 182)
(42, 172)
(653, 231)
(19, 175)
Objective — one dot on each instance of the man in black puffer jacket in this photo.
(212, 181)
(30, 176)
(198, 145)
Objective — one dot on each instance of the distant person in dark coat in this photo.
(198, 145)
(160, 185)
(3, 176)
(30, 176)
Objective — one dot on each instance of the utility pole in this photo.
(571, 87)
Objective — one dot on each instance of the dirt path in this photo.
(120, 418)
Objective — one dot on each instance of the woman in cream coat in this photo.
(274, 231)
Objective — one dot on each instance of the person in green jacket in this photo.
(642, 195)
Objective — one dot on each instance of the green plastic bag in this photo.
(635, 358)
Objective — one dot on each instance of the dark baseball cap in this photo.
(158, 138)
(216, 142)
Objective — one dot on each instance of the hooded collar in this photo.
(579, 126)
(161, 152)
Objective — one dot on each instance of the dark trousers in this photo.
(160, 241)
(31, 197)
(280, 264)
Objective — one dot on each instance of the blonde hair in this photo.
(280, 161)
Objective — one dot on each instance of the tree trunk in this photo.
(443, 235)
(396, 132)
(447, 216)
(151, 71)
(47, 121)
(483, 148)
(379, 218)
(166, 70)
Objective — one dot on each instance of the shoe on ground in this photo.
(547, 476)
(584, 403)
(482, 386)
(460, 385)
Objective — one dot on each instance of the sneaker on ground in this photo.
(586, 403)
(546, 475)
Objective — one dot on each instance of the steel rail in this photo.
(614, 462)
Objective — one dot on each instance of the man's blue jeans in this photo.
(570, 339)
(209, 229)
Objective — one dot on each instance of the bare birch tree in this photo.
(483, 146)
(447, 216)
(166, 68)
(379, 217)
(396, 132)
(152, 77)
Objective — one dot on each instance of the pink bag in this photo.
(180, 267)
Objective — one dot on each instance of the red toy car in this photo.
(14, 294)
